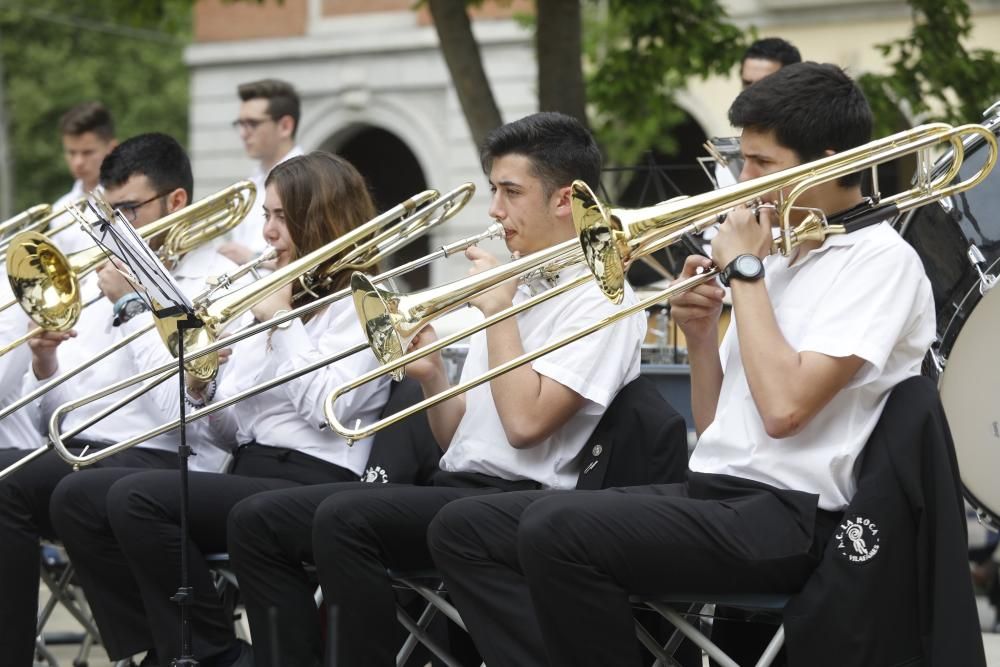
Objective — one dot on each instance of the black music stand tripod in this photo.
(157, 288)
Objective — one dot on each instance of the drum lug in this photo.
(986, 520)
(987, 281)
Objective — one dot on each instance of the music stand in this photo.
(158, 289)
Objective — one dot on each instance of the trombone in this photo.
(365, 253)
(610, 241)
(46, 283)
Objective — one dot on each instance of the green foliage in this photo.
(933, 75)
(57, 53)
(643, 53)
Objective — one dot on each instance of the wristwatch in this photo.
(744, 267)
(128, 309)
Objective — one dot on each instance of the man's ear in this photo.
(176, 200)
(286, 125)
(562, 201)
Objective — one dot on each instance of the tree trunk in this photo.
(6, 172)
(560, 65)
(461, 54)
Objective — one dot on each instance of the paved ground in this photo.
(66, 654)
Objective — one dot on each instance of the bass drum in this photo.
(965, 358)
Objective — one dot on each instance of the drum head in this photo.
(970, 393)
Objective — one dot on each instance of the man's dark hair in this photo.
(88, 117)
(282, 100)
(811, 108)
(156, 156)
(559, 147)
(773, 48)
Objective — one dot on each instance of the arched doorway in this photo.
(393, 175)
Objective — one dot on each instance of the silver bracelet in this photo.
(208, 395)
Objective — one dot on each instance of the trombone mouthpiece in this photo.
(494, 231)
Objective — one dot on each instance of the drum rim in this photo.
(983, 512)
(960, 305)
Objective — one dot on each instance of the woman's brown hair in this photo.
(323, 197)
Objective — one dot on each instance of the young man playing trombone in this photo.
(783, 409)
(146, 177)
(523, 430)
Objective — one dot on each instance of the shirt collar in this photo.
(296, 151)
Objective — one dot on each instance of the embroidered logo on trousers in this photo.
(857, 539)
(375, 474)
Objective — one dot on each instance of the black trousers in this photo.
(125, 543)
(270, 539)
(576, 557)
(24, 519)
(353, 533)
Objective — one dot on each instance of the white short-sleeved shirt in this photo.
(250, 232)
(19, 429)
(863, 294)
(95, 334)
(291, 414)
(596, 367)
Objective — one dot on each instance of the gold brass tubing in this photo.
(358, 434)
(166, 371)
(82, 460)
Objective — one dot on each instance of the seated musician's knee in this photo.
(341, 520)
(453, 531)
(549, 528)
(247, 522)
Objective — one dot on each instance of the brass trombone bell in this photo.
(46, 283)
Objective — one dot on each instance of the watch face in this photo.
(747, 265)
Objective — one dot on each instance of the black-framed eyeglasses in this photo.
(129, 208)
(250, 124)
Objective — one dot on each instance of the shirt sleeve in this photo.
(865, 314)
(598, 365)
(221, 427)
(296, 348)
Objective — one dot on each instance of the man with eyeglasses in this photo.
(267, 123)
(145, 178)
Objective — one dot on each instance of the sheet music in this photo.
(154, 283)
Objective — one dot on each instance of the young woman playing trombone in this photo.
(125, 540)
